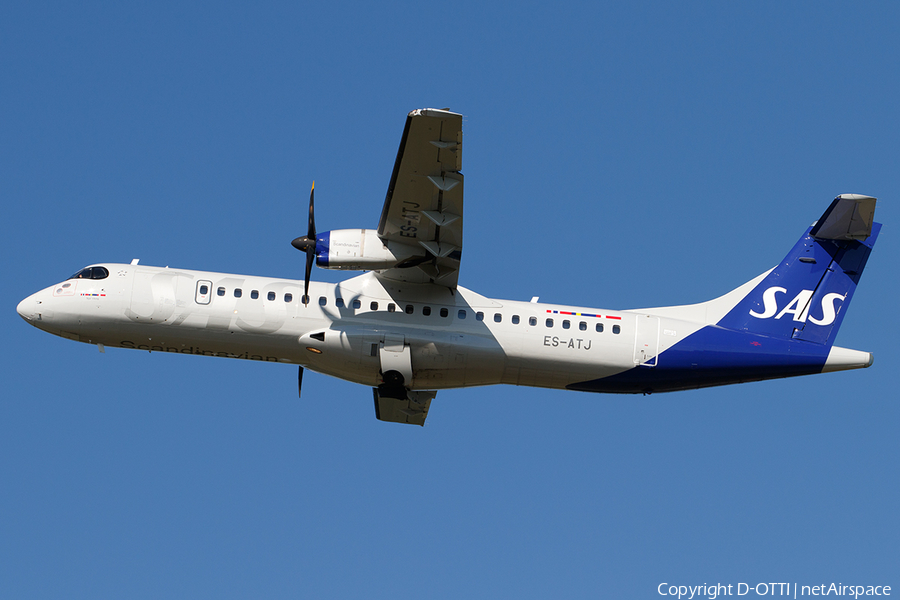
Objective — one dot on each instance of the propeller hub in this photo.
(303, 243)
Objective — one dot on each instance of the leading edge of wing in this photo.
(393, 182)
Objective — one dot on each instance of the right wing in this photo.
(424, 203)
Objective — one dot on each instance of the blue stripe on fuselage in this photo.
(716, 356)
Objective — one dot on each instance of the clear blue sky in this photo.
(617, 155)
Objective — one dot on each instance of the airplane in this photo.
(407, 329)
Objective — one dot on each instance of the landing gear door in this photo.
(646, 340)
(395, 356)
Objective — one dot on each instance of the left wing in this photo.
(424, 203)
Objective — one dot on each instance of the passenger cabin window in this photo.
(515, 319)
(409, 309)
(270, 296)
(479, 316)
(497, 317)
(426, 310)
(549, 322)
(220, 291)
(461, 314)
(532, 321)
(254, 294)
(392, 307)
(616, 329)
(373, 306)
(237, 292)
(445, 312)
(339, 302)
(288, 297)
(357, 304)
(322, 301)
(566, 324)
(91, 273)
(582, 326)
(599, 327)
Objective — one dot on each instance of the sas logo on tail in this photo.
(798, 307)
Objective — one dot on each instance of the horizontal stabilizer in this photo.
(849, 217)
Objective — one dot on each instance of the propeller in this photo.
(307, 243)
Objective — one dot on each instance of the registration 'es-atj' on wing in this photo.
(407, 329)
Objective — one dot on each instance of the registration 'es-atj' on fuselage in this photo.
(405, 328)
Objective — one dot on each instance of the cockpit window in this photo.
(91, 273)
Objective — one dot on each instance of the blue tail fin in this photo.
(806, 296)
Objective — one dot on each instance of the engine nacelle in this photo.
(360, 250)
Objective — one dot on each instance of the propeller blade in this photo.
(310, 248)
(310, 257)
(312, 216)
(307, 243)
(299, 382)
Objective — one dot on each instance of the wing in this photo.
(412, 410)
(424, 203)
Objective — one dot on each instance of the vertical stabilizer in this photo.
(806, 296)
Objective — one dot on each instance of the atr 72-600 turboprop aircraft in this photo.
(407, 329)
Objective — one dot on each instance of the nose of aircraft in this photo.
(27, 308)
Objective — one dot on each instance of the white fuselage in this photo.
(456, 338)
